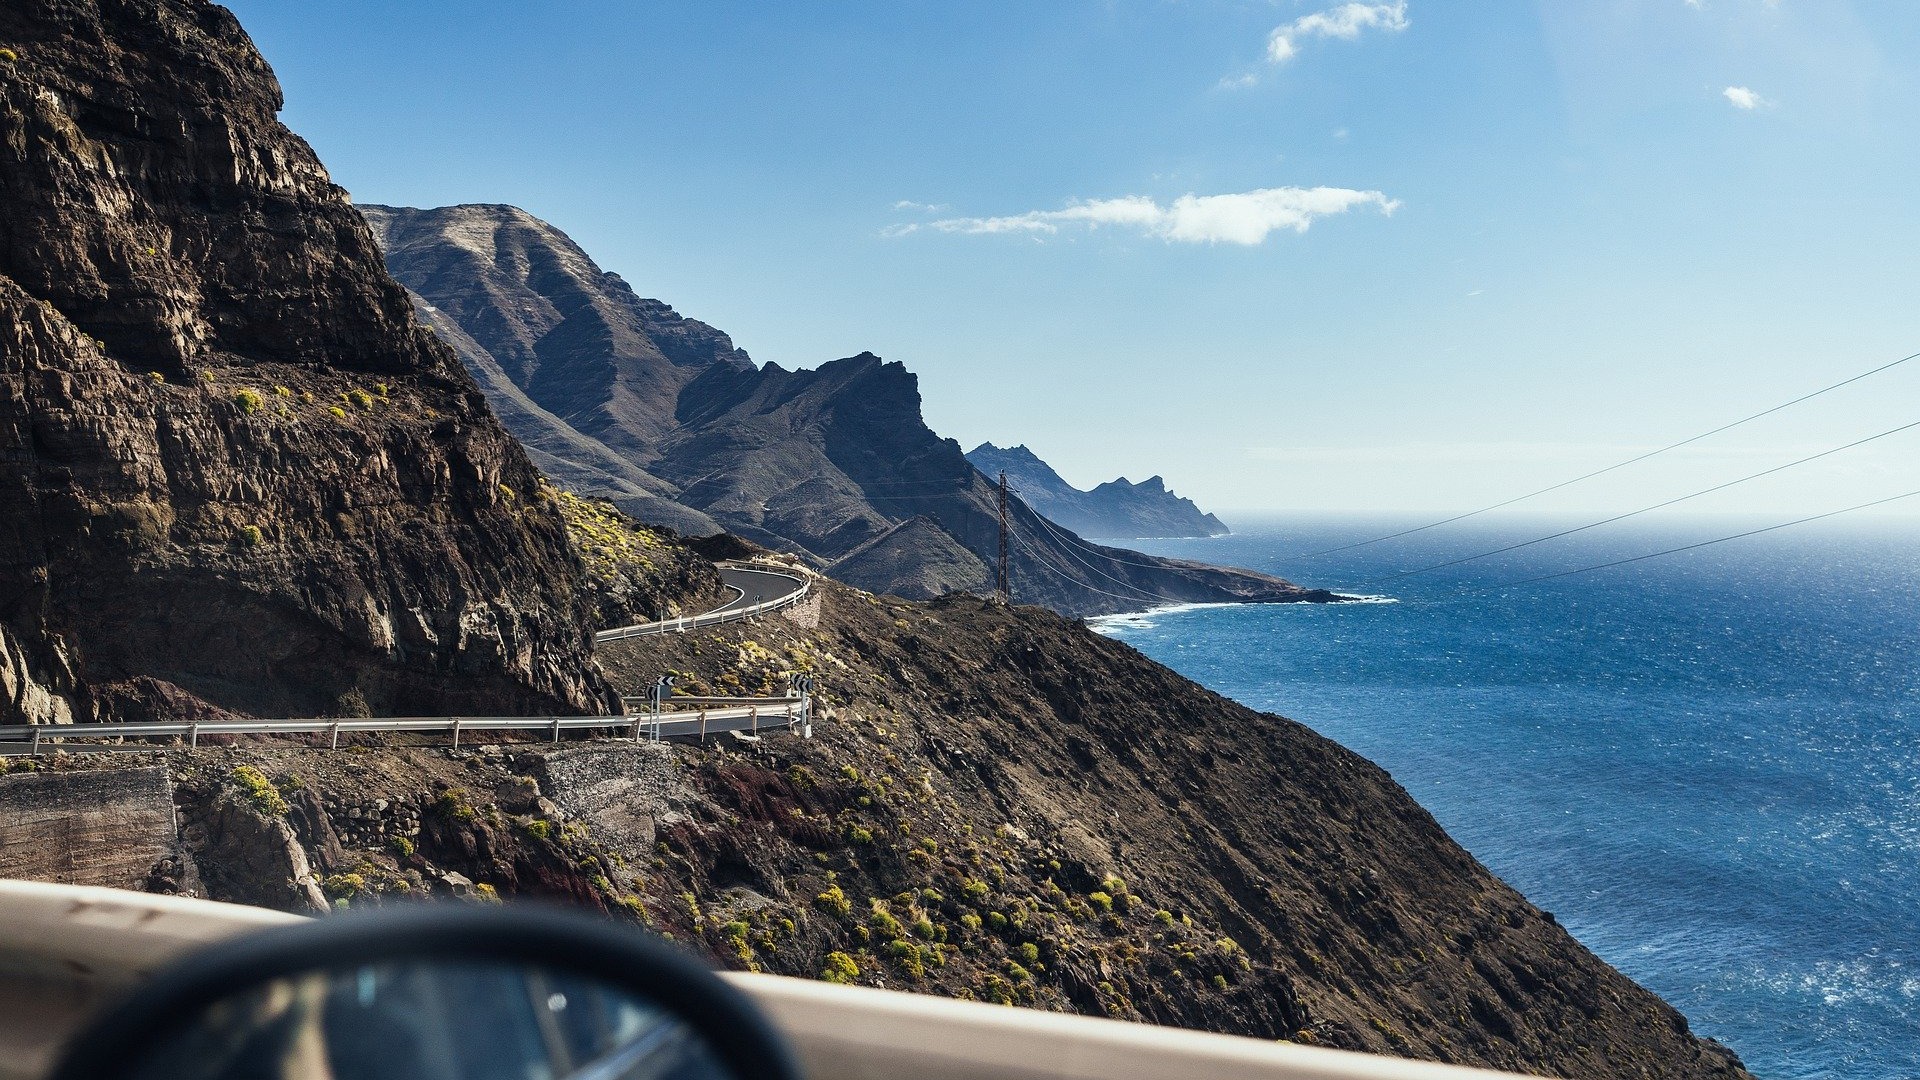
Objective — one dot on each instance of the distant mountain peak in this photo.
(1117, 508)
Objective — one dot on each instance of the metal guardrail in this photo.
(752, 719)
(715, 618)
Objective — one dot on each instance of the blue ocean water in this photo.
(1706, 765)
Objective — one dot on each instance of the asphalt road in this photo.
(755, 586)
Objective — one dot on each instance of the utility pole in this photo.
(1002, 584)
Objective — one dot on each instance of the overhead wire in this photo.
(1058, 535)
(1701, 544)
(1635, 460)
(1635, 513)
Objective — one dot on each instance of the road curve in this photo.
(756, 591)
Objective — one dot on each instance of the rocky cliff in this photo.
(1117, 508)
(623, 398)
(235, 471)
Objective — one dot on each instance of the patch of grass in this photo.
(249, 400)
(358, 398)
(834, 902)
(910, 958)
(337, 412)
(1102, 901)
(281, 391)
(401, 846)
(156, 377)
(453, 805)
(538, 828)
(839, 968)
(259, 791)
(250, 536)
(8, 56)
(343, 886)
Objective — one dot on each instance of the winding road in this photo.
(757, 590)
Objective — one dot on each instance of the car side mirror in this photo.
(434, 993)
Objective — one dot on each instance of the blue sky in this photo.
(1406, 256)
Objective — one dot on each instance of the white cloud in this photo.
(1345, 22)
(1245, 218)
(920, 207)
(1743, 98)
(1238, 82)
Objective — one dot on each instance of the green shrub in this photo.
(259, 791)
(924, 929)
(156, 376)
(281, 391)
(840, 968)
(343, 886)
(911, 958)
(1220, 982)
(538, 828)
(996, 920)
(975, 890)
(833, 902)
(453, 805)
(358, 398)
(401, 846)
(737, 929)
(337, 412)
(970, 921)
(486, 893)
(248, 399)
(1101, 900)
(802, 778)
(1017, 973)
(8, 56)
(1163, 917)
(1027, 951)
(860, 834)
(882, 921)
(635, 905)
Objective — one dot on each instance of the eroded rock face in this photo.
(233, 467)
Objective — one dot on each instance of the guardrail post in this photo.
(193, 735)
(754, 715)
(36, 741)
(456, 733)
(556, 728)
(636, 727)
(334, 729)
(703, 727)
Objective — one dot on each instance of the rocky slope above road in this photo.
(235, 471)
(997, 804)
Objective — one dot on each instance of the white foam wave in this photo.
(1148, 619)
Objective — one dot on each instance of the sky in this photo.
(1354, 257)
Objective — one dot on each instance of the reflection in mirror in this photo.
(433, 1020)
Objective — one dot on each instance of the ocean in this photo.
(1707, 765)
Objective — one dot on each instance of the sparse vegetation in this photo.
(250, 536)
(259, 791)
(249, 400)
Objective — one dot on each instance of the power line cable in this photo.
(1636, 513)
(1065, 576)
(1610, 468)
(1701, 544)
(1145, 593)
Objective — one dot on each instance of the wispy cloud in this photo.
(1743, 98)
(1245, 218)
(1345, 22)
(921, 208)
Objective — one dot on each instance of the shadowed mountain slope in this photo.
(237, 473)
(834, 463)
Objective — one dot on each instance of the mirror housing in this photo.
(125, 1040)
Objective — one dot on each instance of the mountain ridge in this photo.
(822, 462)
(1117, 508)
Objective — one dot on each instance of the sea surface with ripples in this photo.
(1706, 765)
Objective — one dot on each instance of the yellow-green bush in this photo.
(259, 791)
(840, 968)
(248, 399)
(833, 902)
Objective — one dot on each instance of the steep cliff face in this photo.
(234, 469)
(623, 398)
(1117, 508)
